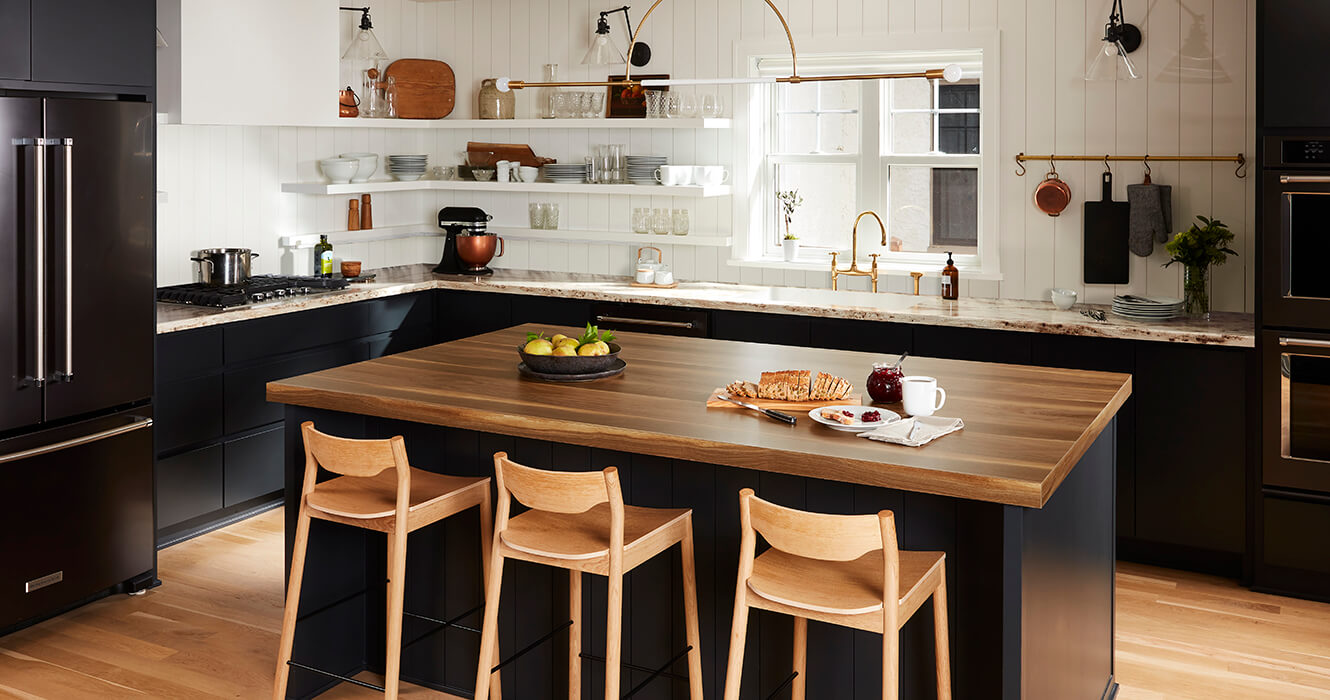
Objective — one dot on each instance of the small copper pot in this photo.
(1052, 195)
(477, 250)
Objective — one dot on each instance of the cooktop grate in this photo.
(259, 288)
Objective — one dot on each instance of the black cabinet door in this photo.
(94, 41)
(111, 317)
(887, 339)
(16, 39)
(189, 412)
(976, 344)
(247, 389)
(1294, 53)
(188, 485)
(253, 467)
(564, 314)
(1191, 449)
(464, 314)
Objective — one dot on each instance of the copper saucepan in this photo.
(478, 250)
(1052, 195)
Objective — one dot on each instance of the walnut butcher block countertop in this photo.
(1025, 427)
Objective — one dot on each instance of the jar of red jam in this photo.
(884, 384)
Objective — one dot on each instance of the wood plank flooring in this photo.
(210, 631)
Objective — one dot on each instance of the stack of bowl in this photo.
(407, 167)
(339, 170)
(642, 169)
(369, 163)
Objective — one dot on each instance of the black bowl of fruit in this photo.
(561, 354)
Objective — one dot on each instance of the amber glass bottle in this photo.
(951, 280)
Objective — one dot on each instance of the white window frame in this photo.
(755, 215)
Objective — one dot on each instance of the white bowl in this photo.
(1064, 299)
(339, 170)
(369, 164)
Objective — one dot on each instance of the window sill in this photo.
(883, 269)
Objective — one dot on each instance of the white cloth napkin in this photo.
(915, 432)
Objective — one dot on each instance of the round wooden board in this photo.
(426, 89)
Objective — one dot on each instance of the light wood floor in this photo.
(210, 631)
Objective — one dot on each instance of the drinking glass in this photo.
(564, 104)
(671, 105)
(593, 169)
(688, 105)
(713, 105)
(680, 217)
(536, 212)
(597, 104)
(552, 215)
(660, 222)
(614, 162)
(641, 220)
(654, 110)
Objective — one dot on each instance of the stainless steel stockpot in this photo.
(221, 267)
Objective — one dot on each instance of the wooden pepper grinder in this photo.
(366, 213)
(353, 215)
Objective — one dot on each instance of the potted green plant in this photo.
(1198, 249)
(789, 201)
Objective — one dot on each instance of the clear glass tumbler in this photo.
(552, 215)
(536, 212)
(660, 222)
(615, 162)
(688, 105)
(680, 217)
(653, 100)
(641, 220)
(713, 106)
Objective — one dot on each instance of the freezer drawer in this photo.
(79, 519)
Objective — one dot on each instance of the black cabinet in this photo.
(246, 388)
(93, 41)
(189, 412)
(252, 467)
(464, 314)
(189, 485)
(887, 339)
(750, 327)
(563, 313)
(977, 344)
(16, 39)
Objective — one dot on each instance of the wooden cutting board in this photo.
(485, 155)
(426, 89)
(786, 406)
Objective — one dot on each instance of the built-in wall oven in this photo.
(1296, 233)
(1297, 410)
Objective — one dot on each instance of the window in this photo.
(910, 149)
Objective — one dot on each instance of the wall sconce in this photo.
(604, 52)
(1111, 61)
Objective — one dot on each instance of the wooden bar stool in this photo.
(578, 522)
(376, 489)
(841, 569)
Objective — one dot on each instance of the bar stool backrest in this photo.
(817, 535)
(347, 457)
(557, 492)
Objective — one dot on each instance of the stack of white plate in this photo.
(567, 173)
(642, 169)
(407, 167)
(1146, 308)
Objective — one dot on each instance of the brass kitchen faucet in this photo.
(854, 270)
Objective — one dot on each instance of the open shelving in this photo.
(595, 123)
(323, 188)
(388, 233)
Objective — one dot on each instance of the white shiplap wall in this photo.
(221, 184)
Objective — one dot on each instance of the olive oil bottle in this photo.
(323, 257)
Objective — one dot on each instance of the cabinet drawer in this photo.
(279, 335)
(1293, 536)
(399, 341)
(973, 344)
(400, 312)
(761, 328)
(246, 390)
(189, 411)
(644, 318)
(187, 354)
(464, 314)
(254, 466)
(886, 339)
(189, 485)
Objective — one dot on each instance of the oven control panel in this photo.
(1306, 151)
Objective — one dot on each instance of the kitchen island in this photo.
(1021, 501)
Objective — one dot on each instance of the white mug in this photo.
(664, 277)
(922, 396)
(503, 167)
(710, 175)
(674, 175)
(528, 173)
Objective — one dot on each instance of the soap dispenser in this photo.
(951, 280)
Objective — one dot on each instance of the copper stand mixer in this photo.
(469, 247)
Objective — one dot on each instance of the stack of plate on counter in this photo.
(565, 172)
(642, 169)
(408, 167)
(1146, 308)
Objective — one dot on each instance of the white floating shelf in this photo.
(387, 233)
(473, 186)
(563, 234)
(696, 123)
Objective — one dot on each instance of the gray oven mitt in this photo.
(1151, 217)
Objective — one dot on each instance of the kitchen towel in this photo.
(915, 432)
(1151, 217)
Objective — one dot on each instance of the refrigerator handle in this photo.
(138, 423)
(39, 249)
(67, 145)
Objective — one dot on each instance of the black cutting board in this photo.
(1106, 233)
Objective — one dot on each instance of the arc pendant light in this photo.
(950, 73)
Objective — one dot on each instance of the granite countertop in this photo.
(1229, 329)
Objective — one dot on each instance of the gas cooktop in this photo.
(259, 288)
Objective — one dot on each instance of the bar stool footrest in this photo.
(338, 676)
(440, 625)
(658, 672)
(532, 645)
(783, 685)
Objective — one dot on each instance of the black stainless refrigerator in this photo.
(77, 327)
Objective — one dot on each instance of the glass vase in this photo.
(545, 95)
(1196, 287)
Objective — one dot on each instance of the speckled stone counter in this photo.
(1230, 329)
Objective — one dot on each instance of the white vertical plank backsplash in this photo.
(222, 184)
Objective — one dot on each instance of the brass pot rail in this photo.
(1240, 159)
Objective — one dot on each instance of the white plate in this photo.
(858, 426)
